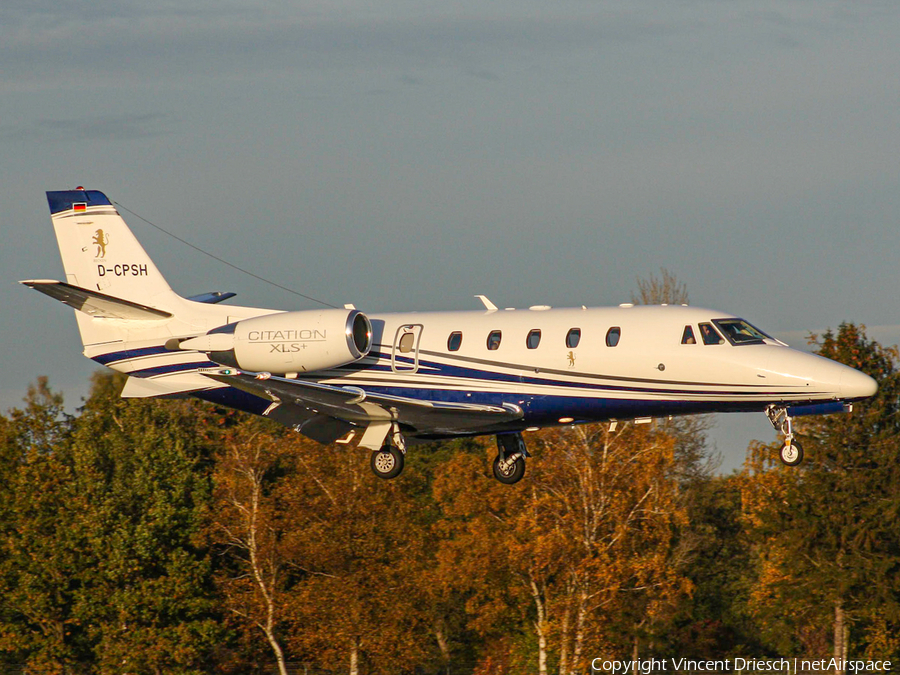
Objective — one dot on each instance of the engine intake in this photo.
(288, 342)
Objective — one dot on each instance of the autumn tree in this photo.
(251, 524)
(497, 556)
(826, 532)
(614, 496)
(665, 289)
(357, 544)
(565, 553)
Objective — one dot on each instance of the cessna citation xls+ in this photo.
(409, 377)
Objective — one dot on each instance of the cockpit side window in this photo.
(687, 338)
(709, 334)
(739, 332)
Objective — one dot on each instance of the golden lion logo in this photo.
(101, 239)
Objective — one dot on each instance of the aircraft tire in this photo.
(387, 463)
(513, 474)
(791, 454)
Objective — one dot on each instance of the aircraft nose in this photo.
(855, 384)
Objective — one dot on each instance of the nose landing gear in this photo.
(792, 452)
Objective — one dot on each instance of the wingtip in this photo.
(39, 282)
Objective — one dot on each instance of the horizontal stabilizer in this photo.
(212, 298)
(93, 303)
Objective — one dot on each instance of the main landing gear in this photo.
(387, 462)
(509, 465)
(388, 448)
(791, 452)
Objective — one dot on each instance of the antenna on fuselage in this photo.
(488, 305)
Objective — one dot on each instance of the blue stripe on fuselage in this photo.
(115, 357)
(465, 373)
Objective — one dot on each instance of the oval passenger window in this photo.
(612, 336)
(454, 342)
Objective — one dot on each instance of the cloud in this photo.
(102, 127)
(74, 44)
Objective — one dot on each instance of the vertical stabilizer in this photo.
(127, 314)
(100, 253)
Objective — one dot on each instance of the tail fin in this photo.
(126, 312)
(100, 253)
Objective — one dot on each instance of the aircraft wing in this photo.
(323, 409)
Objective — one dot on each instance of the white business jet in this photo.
(411, 377)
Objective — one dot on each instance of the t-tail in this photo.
(128, 315)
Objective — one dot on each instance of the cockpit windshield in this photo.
(739, 332)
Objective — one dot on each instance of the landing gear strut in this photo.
(509, 465)
(792, 452)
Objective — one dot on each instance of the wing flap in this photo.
(93, 303)
(166, 385)
(356, 406)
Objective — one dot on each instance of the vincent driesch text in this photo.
(792, 666)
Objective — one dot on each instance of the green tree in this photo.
(104, 565)
(142, 476)
(827, 533)
(714, 621)
(38, 549)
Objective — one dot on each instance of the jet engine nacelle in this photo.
(288, 342)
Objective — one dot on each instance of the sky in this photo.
(406, 156)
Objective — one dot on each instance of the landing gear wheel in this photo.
(509, 472)
(791, 453)
(387, 462)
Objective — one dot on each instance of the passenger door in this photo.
(405, 352)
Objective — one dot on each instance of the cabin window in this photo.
(612, 336)
(709, 334)
(739, 332)
(454, 342)
(493, 341)
(687, 338)
(533, 339)
(407, 340)
(573, 337)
